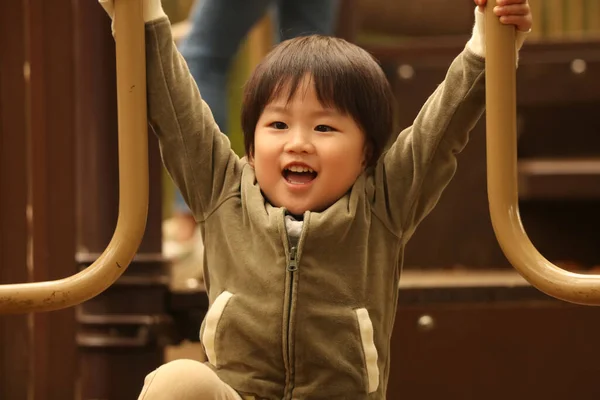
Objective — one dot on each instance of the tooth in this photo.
(299, 168)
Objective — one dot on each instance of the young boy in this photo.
(304, 238)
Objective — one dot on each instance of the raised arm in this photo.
(196, 154)
(412, 175)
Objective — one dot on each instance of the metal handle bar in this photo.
(133, 182)
(502, 175)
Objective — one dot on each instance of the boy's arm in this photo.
(196, 154)
(411, 176)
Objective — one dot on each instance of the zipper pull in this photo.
(292, 264)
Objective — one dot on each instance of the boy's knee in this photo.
(183, 379)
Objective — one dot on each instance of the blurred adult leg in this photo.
(218, 28)
(304, 17)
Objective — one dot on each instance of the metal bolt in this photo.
(578, 66)
(426, 323)
(406, 72)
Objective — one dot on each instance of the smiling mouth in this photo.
(299, 175)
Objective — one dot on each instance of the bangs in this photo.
(344, 76)
(327, 85)
(326, 62)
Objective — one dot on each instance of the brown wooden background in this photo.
(59, 191)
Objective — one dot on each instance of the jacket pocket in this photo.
(211, 324)
(370, 351)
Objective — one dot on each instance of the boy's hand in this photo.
(511, 12)
(108, 6)
(152, 9)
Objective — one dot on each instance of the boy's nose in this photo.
(299, 142)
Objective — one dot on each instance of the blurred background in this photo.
(468, 326)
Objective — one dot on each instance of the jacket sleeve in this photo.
(411, 175)
(196, 154)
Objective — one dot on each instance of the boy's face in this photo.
(306, 156)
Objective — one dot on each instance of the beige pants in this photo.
(186, 379)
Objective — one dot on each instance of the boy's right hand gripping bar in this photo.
(502, 174)
(133, 183)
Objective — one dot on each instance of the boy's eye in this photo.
(278, 125)
(324, 128)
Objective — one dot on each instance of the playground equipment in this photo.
(131, 91)
(502, 176)
(133, 183)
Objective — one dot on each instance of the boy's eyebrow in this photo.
(324, 112)
(275, 108)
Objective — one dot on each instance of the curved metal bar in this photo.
(502, 175)
(133, 182)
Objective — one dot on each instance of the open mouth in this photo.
(299, 175)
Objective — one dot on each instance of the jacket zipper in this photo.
(293, 264)
(292, 267)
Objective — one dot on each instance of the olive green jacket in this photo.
(313, 321)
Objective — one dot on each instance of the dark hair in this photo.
(345, 76)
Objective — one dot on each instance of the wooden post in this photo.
(15, 341)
